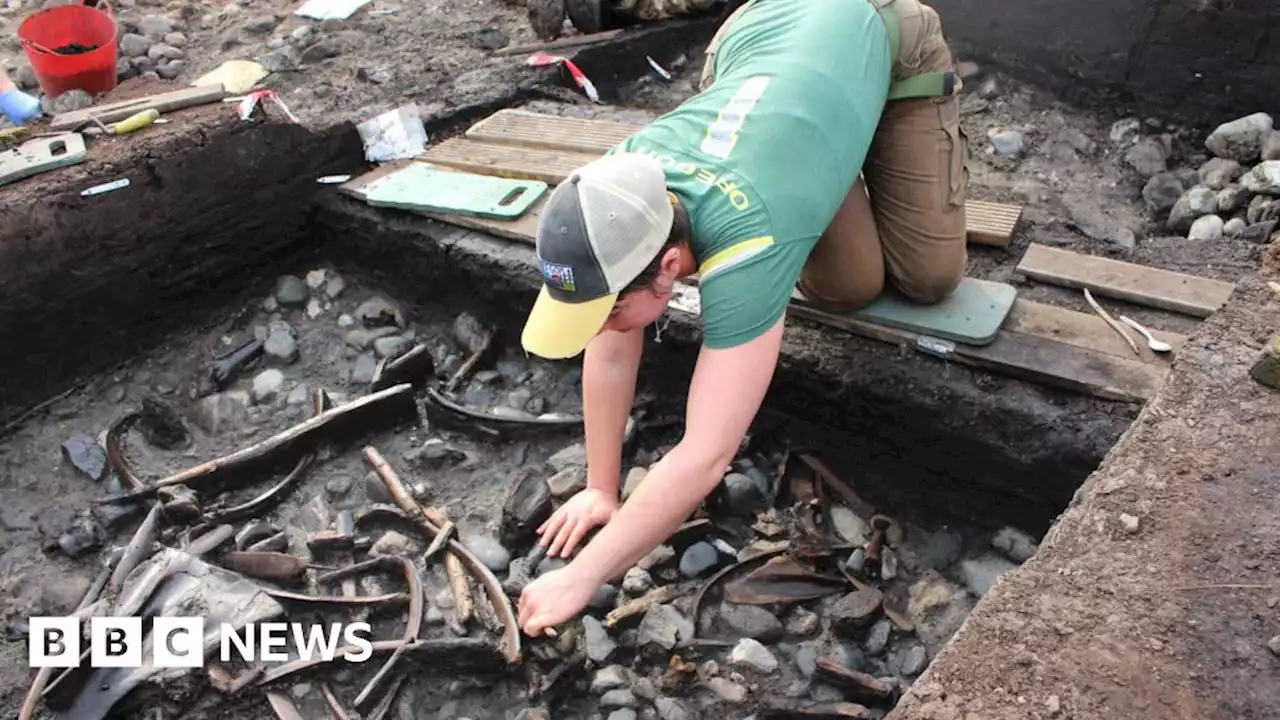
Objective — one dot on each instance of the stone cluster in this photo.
(1234, 194)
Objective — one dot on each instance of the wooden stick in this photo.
(466, 367)
(463, 605)
(1114, 325)
(641, 605)
(429, 521)
(446, 532)
(335, 706)
(575, 41)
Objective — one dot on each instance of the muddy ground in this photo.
(315, 327)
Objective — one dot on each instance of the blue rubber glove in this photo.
(19, 107)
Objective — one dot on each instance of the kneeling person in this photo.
(754, 185)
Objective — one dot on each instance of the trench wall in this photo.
(86, 282)
(1205, 61)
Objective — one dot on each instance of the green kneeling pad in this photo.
(972, 314)
(426, 189)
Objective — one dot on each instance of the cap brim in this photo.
(558, 330)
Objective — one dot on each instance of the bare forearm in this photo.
(5, 83)
(609, 371)
(672, 490)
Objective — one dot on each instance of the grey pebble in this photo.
(878, 637)
(291, 291)
(365, 366)
(619, 698)
(266, 385)
(600, 646)
(1007, 142)
(807, 659)
(604, 598)
(339, 485)
(698, 558)
(261, 25)
(489, 551)
(85, 455)
(609, 678)
(914, 660)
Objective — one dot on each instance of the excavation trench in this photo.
(128, 295)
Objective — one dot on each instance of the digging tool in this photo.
(134, 122)
(1159, 346)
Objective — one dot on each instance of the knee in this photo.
(931, 285)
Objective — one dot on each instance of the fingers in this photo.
(575, 537)
(530, 617)
(539, 624)
(553, 524)
(562, 536)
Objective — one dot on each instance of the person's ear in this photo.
(669, 269)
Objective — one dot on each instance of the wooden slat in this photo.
(509, 161)
(164, 102)
(989, 223)
(530, 129)
(1083, 330)
(1028, 357)
(1164, 289)
(570, 42)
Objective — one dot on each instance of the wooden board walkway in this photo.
(1163, 289)
(524, 145)
(1040, 343)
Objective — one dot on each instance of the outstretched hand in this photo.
(554, 598)
(563, 531)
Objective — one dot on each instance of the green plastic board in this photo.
(971, 315)
(426, 189)
(41, 155)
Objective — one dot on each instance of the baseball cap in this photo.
(599, 230)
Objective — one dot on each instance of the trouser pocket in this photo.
(956, 152)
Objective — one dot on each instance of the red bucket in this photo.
(58, 42)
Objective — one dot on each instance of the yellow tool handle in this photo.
(135, 122)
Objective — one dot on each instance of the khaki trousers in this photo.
(903, 222)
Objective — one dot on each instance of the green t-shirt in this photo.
(764, 157)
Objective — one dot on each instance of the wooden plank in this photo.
(1083, 330)
(569, 42)
(529, 129)
(1164, 289)
(1028, 357)
(509, 161)
(164, 102)
(989, 223)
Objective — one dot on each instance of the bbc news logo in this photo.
(178, 642)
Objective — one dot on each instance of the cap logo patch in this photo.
(559, 277)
